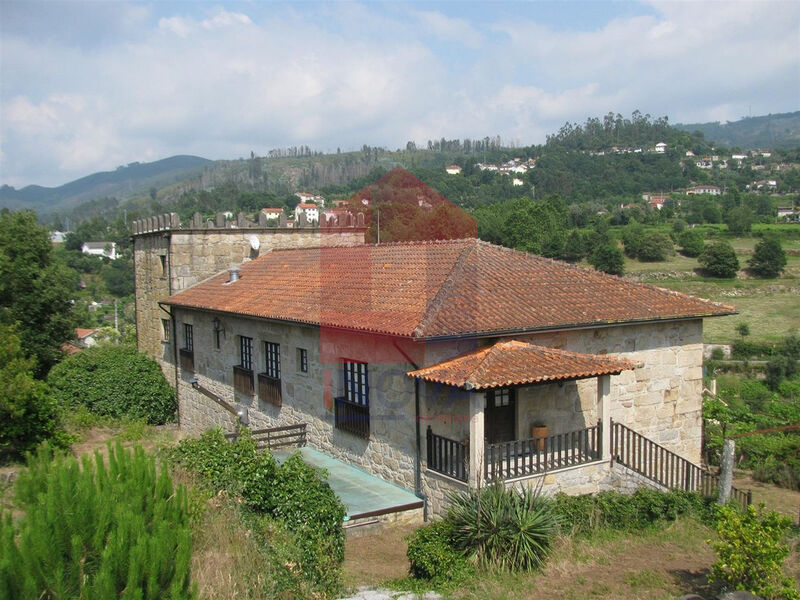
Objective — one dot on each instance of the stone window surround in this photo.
(302, 361)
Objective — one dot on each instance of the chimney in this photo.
(233, 273)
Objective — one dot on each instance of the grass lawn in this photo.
(770, 306)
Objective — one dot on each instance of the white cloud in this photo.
(220, 82)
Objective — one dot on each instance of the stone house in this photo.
(442, 365)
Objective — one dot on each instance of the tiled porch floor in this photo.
(362, 494)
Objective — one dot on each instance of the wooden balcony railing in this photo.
(447, 456)
(352, 417)
(243, 380)
(186, 358)
(269, 389)
(277, 437)
(521, 458)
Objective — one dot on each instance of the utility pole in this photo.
(116, 321)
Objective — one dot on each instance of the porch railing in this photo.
(352, 417)
(521, 458)
(243, 380)
(447, 456)
(644, 456)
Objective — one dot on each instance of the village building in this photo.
(437, 366)
(711, 190)
(452, 169)
(103, 249)
(310, 212)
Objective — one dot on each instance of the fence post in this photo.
(726, 474)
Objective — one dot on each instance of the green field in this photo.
(771, 307)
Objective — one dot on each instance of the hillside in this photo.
(127, 181)
(770, 131)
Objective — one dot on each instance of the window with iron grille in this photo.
(272, 355)
(188, 337)
(165, 324)
(302, 360)
(246, 352)
(356, 383)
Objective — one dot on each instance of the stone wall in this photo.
(389, 453)
(170, 257)
(661, 398)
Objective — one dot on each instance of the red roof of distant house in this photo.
(426, 290)
(518, 363)
(304, 205)
(82, 333)
(272, 210)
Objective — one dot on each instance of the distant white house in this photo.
(311, 211)
(453, 169)
(106, 249)
(306, 198)
(58, 237)
(517, 181)
(272, 213)
(711, 190)
(660, 148)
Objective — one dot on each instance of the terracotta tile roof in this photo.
(518, 363)
(82, 333)
(429, 290)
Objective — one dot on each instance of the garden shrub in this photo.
(116, 381)
(751, 551)
(432, 553)
(502, 527)
(719, 260)
(96, 531)
(691, 243)
(654, 248)
(293, 493)
(628, 512)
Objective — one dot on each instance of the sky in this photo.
(89, 86)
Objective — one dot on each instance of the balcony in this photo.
(352, 417)
(269, 389)
(186, 359)
(243, 380)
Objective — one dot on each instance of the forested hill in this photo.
(123, 182)
(771, 131)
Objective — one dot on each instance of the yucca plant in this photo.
(505, 528)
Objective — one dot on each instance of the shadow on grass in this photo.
(694, 582)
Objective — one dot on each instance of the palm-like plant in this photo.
(502, 527)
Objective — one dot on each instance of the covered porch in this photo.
(508, 379)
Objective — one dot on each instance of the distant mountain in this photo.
(124, 182)
(771, 131)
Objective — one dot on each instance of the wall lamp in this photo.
(217, 324)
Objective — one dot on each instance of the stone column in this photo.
(476, 438)
(604, 413)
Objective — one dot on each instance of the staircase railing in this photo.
(651, 460)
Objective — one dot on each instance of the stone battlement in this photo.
(171, 222)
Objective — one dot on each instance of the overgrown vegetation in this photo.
(95, 530)
(117, 381)
(292, 494)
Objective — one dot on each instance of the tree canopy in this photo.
(769, 258)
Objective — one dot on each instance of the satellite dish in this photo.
(255, 243)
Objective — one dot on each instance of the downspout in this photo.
(418, 456)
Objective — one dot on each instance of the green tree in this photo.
(719, 260)
(769, 258)
(739, 220)
(608, 258)
(691, 243)
(654, 248)
(115, 381)
(536, 227)
(27, 412)
(574, 247)
(36, 290)
(632, 238)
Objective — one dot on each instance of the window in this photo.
(352, 409)
(246, 352)
(243, 372)
(356, 386)
(272, 354)
(269, 382)
(302, 360)
(186, 353)
(165, 325)
(163, 260)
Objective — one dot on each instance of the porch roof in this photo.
(513, 362)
